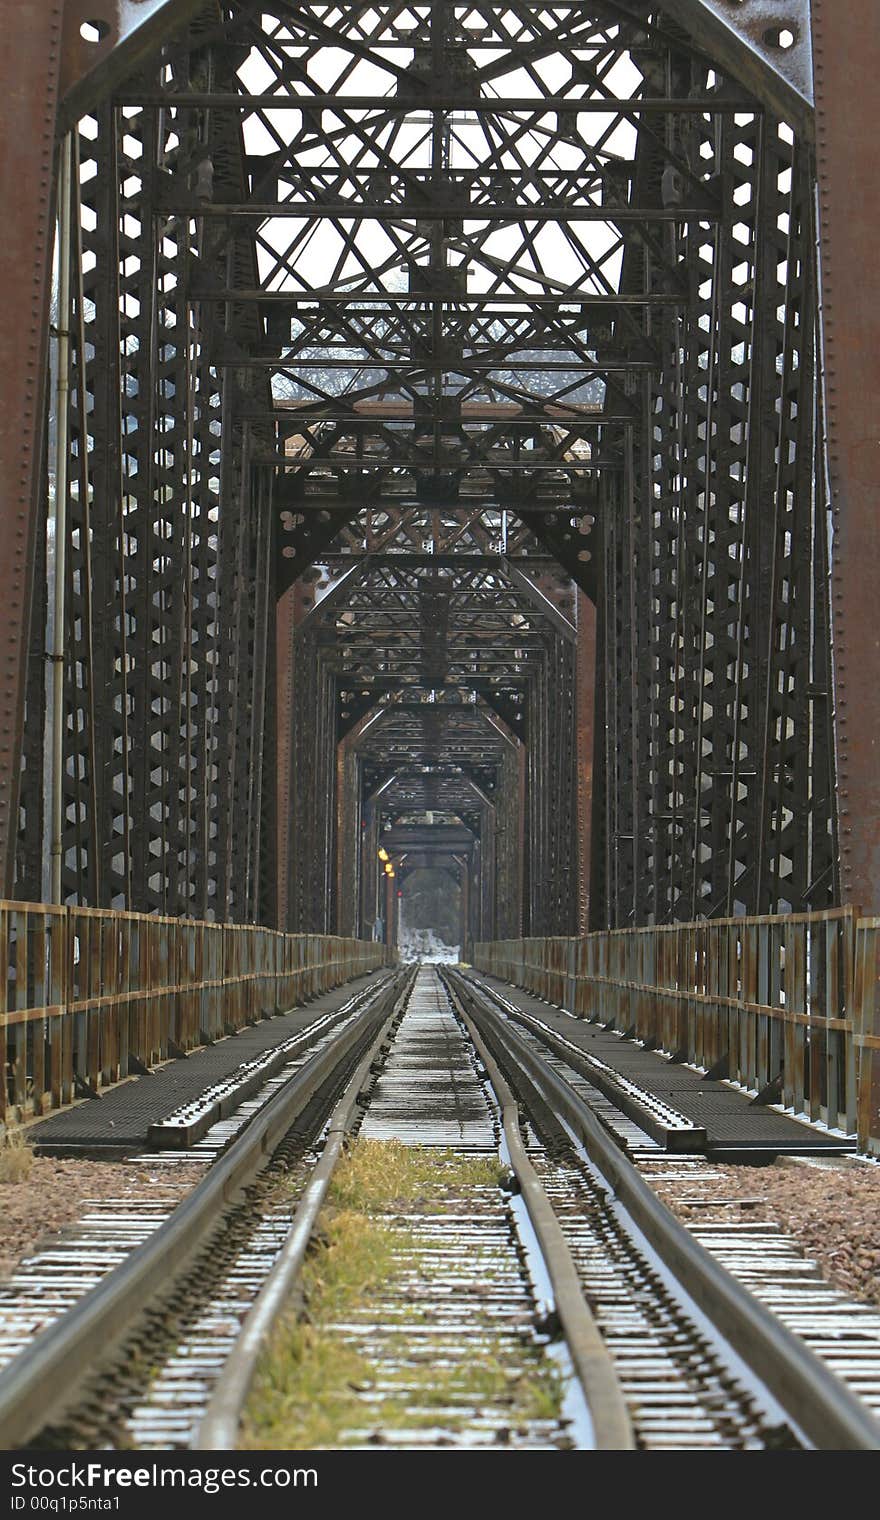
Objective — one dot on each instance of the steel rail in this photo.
(691, 1139)
(41, 1382)
(218, 1430)
(612, 1426)
(818, 1403)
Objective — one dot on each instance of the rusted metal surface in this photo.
(451, 480)
(847, 67)
(866, 1012)
(713, 590)
(771, 1000)
(27, 120)
(86, 995)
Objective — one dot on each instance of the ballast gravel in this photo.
(56, 1193)
(832, 1211)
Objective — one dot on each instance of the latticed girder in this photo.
(387, 323)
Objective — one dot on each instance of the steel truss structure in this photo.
(437, 408)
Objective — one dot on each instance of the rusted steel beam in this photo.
(542, 603)
(289, 614)
(105, 40)
(765, 44)
(769, 994)
(847, 67)
(27, 122)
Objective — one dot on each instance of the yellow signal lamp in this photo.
(383, 853)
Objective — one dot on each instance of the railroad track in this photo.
(52, 1280)
(575, 1258)
(789, 1337)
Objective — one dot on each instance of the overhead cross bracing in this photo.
(392, 326)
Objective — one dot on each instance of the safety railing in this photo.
(88, 995)
(785, 1005)
(867, 1004)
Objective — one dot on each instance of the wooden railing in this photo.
(789, 1000)
(88, 996)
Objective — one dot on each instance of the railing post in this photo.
(865, 1019)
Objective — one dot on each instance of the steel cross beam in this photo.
(106, 40)
(766, 44)
(332, 435)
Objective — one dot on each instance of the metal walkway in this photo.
(120, 1120)
(734, 1124)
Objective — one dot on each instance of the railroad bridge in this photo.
(441, 437)
(440, 462)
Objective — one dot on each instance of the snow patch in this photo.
(422, 945)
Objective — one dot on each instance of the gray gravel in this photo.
(833, 1211)
(56, 1193)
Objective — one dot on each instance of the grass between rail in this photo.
(313, 1389)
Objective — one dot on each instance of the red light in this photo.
(400, 894)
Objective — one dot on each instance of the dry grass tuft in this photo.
(378, 1175)
(16, 1158)
(309, 1390)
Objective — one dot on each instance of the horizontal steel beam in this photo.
(712, 103)
(471, 498)
(419, 210)
(200, 289)
(405, 368)
(452, 561)
(429, 463)
(350, 422)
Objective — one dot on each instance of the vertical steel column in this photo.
(585, 699)
(369, 869)
(390, 924)
(289, 614)
(846, 61)
(348, 830)
(501, 847)
(27, 120)
(59, 520)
